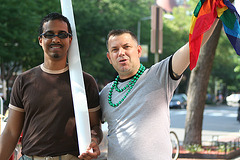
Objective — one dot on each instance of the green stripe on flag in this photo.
(228, 18)
(197, 9)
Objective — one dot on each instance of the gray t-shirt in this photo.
(139, 128)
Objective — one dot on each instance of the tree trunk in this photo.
(198, 89)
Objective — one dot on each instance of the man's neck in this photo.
(130, 73)
(54, 65)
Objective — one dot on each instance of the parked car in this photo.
(233, 99)
(179, 101)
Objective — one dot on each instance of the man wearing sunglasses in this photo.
(41, 104)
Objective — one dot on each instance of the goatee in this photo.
(56, 55)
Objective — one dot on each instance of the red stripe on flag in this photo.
(205, 19)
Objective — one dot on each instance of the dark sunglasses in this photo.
(61, 35)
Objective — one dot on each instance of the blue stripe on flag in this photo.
(235, 43)
(236, 30)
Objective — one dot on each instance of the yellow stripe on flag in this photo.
(221, 10)
(194, 19)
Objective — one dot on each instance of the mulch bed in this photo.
(209, 152)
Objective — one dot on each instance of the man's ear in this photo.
(40, 40)
(109, 58)
(139, 51)
(70, 39)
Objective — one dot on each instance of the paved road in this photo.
(218, 120)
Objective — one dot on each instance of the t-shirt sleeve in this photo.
(16, 95)
(92, 92)
(171, 71)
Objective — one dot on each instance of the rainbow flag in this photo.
(203, 17)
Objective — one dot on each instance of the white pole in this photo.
(1, 127)
(77, 83)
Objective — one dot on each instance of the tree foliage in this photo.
(94, 19)
(16, 41)
(225, 68)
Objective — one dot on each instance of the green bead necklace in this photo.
(129, 86)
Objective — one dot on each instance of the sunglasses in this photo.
(61, 35)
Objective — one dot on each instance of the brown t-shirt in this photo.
(45, 97)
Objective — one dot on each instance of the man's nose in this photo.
(121, 52)
(56, 39)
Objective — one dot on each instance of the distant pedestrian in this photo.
(220, 99)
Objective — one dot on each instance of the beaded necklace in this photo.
(129, 86)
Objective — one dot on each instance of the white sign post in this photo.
(77, 83)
